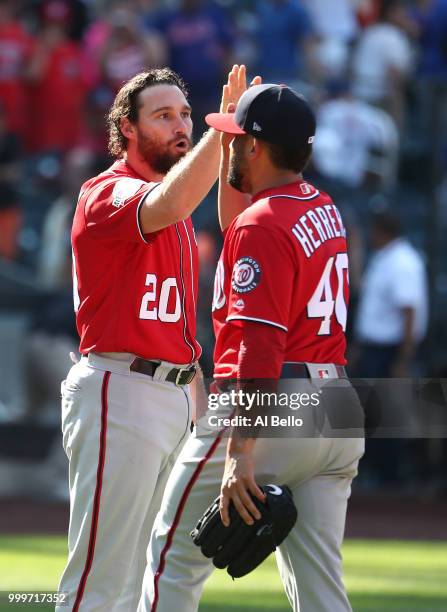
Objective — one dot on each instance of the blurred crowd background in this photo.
(375, 71)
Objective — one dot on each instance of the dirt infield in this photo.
(368, 517)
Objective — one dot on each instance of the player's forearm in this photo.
(238, 445)
(230, 202)
(184, 187)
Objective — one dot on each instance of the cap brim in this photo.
(224, 122)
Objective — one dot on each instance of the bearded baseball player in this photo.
(126, 406)
(279, 311)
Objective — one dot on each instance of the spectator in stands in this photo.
(356, 143)
(199, 40)
(431, 16)
(368, 11)
(54, 263)
(127, 50)
(333, 19)
(53, 332)
(10, 213)
(95, 37)
(79, 16)
(393, 309)
(286, 42)
(145, 8)
(95, 137)
(16, 46)
(56, 87)
(383, 60)
(335, 24)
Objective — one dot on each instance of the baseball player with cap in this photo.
(126, 406)
(279, 311)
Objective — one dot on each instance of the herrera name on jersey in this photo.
(284, 264)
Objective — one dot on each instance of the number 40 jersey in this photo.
(133, 292)
(284, 263)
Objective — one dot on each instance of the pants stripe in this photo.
(178, 516)
(97, 497)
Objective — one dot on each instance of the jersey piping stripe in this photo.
(76, 299)
(140, 229)
(98, 489)
(178, 516)
(311, 197)
(184, 293)
(192, 267)
(237, 317)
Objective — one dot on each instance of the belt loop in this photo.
(160, 373)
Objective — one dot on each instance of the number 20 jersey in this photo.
(133, 292)
(284, 263)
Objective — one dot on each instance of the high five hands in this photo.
(233, 90)
(236, 86)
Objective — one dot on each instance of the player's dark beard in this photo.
(235, 172)
(160, 157)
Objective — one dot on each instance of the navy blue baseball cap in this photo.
(274, 113)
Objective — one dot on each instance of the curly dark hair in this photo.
(126, 103)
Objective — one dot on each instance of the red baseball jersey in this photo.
(61, 81)
(16, 48)
(132, 292)
(284, 263)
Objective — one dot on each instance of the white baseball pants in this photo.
(122, 432)
(319, 472)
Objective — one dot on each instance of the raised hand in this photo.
(235, 86)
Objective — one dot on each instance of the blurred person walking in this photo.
(390, 325)
(393, 307)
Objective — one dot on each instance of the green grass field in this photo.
(381, 576)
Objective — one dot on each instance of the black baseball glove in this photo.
(243, 547)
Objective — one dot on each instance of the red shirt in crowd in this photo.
(56, 101)
(16, 46)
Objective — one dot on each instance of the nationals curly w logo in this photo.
(246, 275)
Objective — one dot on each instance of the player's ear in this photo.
(253, 148)
(127, 128)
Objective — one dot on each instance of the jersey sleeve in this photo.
(261, 351)
(262, 277)
(112, 210)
